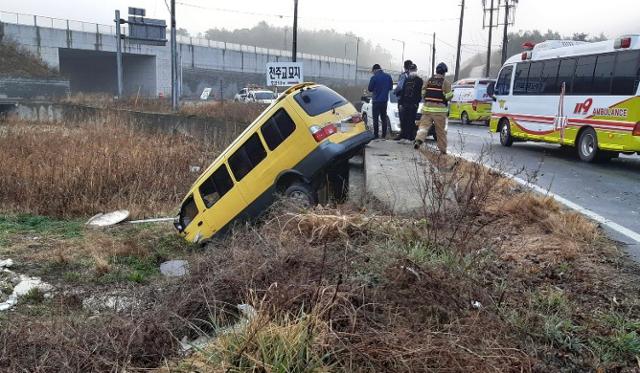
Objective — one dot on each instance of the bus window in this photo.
(277, 129)
(247, 157)
(520, 80)
(626, 73)
(565, 74)
(549, 78)
(583, 78)
(503, 85)
(533, 82)
(602, 75)
(216, 186)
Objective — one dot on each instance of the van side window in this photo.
(549, 78)
(533, 82)
(565, 74)
(583, 78)
(216, 186)
(626, 74)
(247, 157)
(503, 85)
(520, 80)
(602, 75)
(277, 129)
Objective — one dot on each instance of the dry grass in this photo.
(69, 171)
(19, 62)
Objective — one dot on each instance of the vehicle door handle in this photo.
(199, 223)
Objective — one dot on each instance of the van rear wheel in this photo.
(588, 145)
(302, 194)
(505, 133)
(464, 117)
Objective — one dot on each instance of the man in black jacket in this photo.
(408, 101)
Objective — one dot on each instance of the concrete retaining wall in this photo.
(33, 89)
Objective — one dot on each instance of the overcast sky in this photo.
(380, 21)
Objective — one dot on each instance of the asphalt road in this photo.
(611, 189)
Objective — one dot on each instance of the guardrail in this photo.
(82, 26)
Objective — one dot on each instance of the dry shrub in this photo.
(71, 171)
(572, 226)
(530, 208)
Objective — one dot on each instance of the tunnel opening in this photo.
(95, 72)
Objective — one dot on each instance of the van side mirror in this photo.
(366, 99)
(491, 91)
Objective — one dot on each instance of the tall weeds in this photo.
(64, 171)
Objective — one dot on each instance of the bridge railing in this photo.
(74, 25)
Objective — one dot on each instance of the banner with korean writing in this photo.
(285, 73)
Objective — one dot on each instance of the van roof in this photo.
(567, 48)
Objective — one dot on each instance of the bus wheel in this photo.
(588, 145)
(464, 117)
(505, 133)
(301, 193)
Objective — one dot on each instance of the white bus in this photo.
(578, 94)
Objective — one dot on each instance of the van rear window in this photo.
(277, 129)
(318, 100)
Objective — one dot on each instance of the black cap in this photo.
(376, 67)
(407, 64)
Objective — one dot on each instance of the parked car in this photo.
(262, 96)
(392, 112)
(298, 147)
(470, 101)
(243, 94)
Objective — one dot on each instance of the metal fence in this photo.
(73, 25)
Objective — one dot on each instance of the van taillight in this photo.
(321, 133)
(622, 43)
(636, 130)
(474, 105)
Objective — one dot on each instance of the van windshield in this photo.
(188, 212)
(318, 100)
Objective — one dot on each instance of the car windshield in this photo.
(318, 100)
(264, 95)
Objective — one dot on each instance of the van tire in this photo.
(505, 133)
(464, 117)
(303, 193)
(588, 146)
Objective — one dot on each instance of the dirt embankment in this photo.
(18, 62)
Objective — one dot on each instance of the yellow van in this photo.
(299, 145)
(470, 102)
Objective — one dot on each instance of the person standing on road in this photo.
(398, 92)
(409, 100)
(436, 93)
(380, 85)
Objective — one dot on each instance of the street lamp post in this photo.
(403, 45)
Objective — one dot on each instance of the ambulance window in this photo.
(549, 78)
(188, 212)
(216, 186)
(504, 81)
(533, 82)
(247, 157)
(626, 73)
(520, 80)
(602, 75)
(565, 74)
(583, 79)
(277, 129)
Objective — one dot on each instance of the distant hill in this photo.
(18, 62)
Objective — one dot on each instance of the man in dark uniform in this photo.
(408, 100)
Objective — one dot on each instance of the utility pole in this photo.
(174, 59)
(488, 68)
(294, 52)
(457, 71)
(433, 55)
(357, 53)
(508, 8)
(119, 53)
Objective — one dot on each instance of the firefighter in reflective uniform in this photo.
(436, 92)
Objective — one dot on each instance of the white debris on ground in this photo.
(174, 268)
(13, 285)
(108, 219)
(116, 302)
(247, 313)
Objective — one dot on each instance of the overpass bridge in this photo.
(85, 53)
